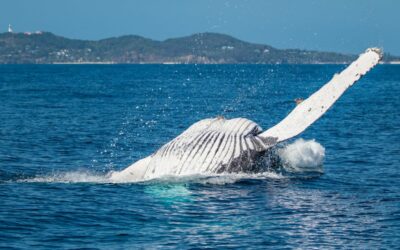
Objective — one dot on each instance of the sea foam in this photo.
(302, 156)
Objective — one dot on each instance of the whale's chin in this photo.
(210, 146)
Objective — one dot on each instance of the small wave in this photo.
(233, 178)
(215, 179)
(90, 177)
(69, 177)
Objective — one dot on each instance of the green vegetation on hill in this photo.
(17, 48)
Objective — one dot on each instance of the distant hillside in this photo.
(203, 48)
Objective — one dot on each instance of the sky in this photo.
(347, 26)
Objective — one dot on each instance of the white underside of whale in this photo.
(219, 145)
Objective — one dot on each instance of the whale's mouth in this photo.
(299, 159)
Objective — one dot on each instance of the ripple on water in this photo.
(63, 128)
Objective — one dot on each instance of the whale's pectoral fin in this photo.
(311, 109)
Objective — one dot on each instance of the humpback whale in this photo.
(219, 145)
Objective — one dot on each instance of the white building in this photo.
(9, 28)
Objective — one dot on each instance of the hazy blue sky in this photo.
(335, 25)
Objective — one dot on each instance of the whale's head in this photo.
(212, 145)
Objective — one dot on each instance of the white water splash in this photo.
(69, 177)
(233, 178)
(215, 179)
(90, 177)
(302, 156)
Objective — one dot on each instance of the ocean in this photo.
(64, 128)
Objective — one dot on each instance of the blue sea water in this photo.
(64, 127)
